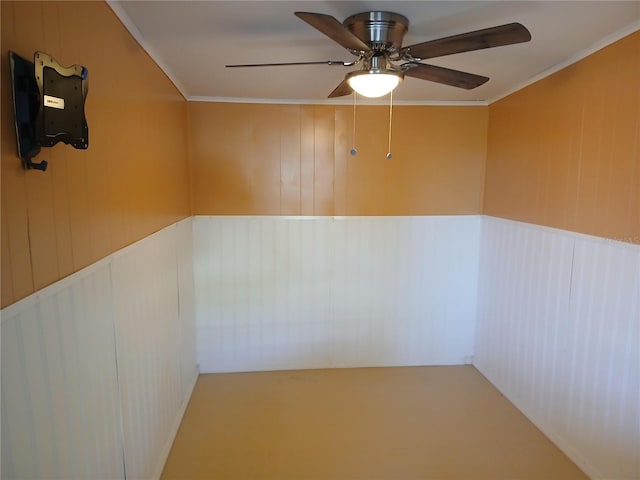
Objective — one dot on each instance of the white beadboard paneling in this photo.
(558, 330)
(99, 366)
(313, 292)
(145, 291)
(60, 406)
(187, 340)
(603, 370)
(186, 307)
(559, 335)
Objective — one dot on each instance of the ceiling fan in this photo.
(375, 38)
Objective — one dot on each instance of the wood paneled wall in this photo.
(134, 178)
(565, 151)
(257, 159)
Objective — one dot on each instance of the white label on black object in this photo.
(54, 102)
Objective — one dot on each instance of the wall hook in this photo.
(30, 165)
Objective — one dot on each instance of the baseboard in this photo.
(550, 432)
(157, 473)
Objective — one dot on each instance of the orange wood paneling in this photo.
(17, 278)
(565, 151)
(134, 178)
(323, 160)
(5, 279)
(290, 168)
(306, 131)
(294, 160)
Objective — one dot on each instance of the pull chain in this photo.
(389, 156)
(353, 137)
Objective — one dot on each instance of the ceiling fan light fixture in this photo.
(374, 83)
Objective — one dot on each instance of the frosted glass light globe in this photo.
(374, 84)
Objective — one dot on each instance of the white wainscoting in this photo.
(314, 292)
(95, 375)
(559, 335)
(60, 403)
(97, 368)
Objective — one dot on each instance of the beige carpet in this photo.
(367, 423)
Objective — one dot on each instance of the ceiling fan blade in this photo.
(287, 64)
(447, 76)
(333, 29)
(341, 90)
(508, 34)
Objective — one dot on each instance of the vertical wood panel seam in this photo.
(7, 261)
(114, 329)
(313, 203)
(31, 265)
(280, 131)
(300, 160)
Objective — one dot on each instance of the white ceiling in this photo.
(193, 41)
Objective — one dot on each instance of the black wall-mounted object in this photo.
(48, 103)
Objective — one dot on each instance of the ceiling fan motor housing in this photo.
(382, 31)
